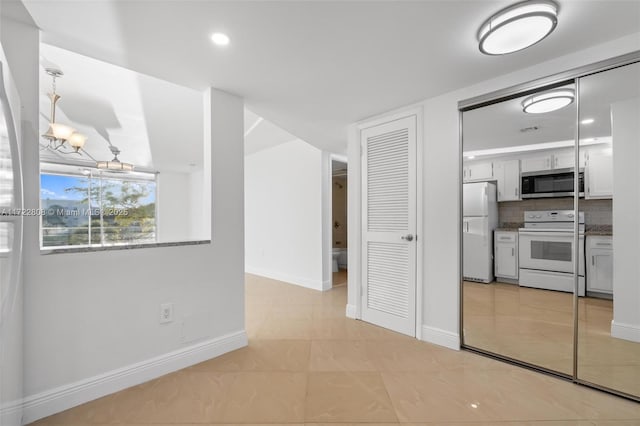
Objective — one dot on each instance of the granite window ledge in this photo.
(85, 249)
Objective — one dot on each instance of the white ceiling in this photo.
(313, 67)
(156, 124)
(499, 125)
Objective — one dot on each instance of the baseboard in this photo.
(351, 311)
(441, 337)
(327, 285)
(11, 413)
(625, 331)
(291, 279)
(64, 397)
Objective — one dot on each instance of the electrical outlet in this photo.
(166, 313)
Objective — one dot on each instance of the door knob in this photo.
(407, 237)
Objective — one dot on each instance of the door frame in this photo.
(355, 209)
(327, 216)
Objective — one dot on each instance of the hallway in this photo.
(307, 363)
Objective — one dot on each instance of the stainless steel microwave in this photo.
(551, 183)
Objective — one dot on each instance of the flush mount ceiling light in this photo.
(548, 101)
(220, 39)
(517, 27)
(114, 165)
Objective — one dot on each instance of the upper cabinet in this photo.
(599, 174)
(478, 171)
(558, 160)
(507, 173)
(534, 163)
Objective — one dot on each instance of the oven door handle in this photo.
(560, 234)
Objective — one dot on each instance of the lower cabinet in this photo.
(506, 254)
(599, 264)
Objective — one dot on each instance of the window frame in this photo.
(74, 171)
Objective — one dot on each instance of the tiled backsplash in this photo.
(596, 212)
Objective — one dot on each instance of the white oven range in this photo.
(546, 251)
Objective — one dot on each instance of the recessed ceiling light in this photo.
(587, 121)
(220, 39)
(548, 101)
(517, 27)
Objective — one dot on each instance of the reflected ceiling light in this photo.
(517, 27)
(548, 101)
(114, 165)
(220, 39)
(57, 134)
(471, 157)
(587, 121)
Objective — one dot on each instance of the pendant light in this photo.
(548, 101)
(517, 27)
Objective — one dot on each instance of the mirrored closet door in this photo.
(518, 228)
(551, 226)
(609, 314)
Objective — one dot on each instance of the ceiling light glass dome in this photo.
(517, 27)
(548, 101)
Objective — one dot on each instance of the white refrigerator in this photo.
(480, 218)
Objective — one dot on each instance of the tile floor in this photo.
(536, 326)
(307, 363)
(340, 278)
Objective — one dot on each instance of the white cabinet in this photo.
(534, 163)
(600, 264)
(480, 171)
(507, 173)
(506, 254)
(562, 159)
(599, 174)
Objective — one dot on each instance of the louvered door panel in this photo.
(387, 279)
(389, 214)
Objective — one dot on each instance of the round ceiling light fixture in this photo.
(517, 27)
(220, 39)
(548, 101)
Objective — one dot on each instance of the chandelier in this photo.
(60, 136)
(57, 135)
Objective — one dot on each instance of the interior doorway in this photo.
(339, 245)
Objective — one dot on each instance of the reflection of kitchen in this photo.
(518, 222)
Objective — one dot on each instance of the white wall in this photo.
(91, 319)
(441, 187)
(625, 118)
(198, 230)
(174, 206)
(284, 214)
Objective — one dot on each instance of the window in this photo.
(96, 209)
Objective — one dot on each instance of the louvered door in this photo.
(389, 224)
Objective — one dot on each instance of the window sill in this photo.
(85, 249)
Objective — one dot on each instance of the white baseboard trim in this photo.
(351, 311)
(625, 331)
(291, 279)
(55, 400)
(441, 337)
(327, 285)
(11, 413)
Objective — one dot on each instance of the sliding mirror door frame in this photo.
(550, 82)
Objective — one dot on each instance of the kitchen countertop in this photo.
(510, 227)
(603, 230)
